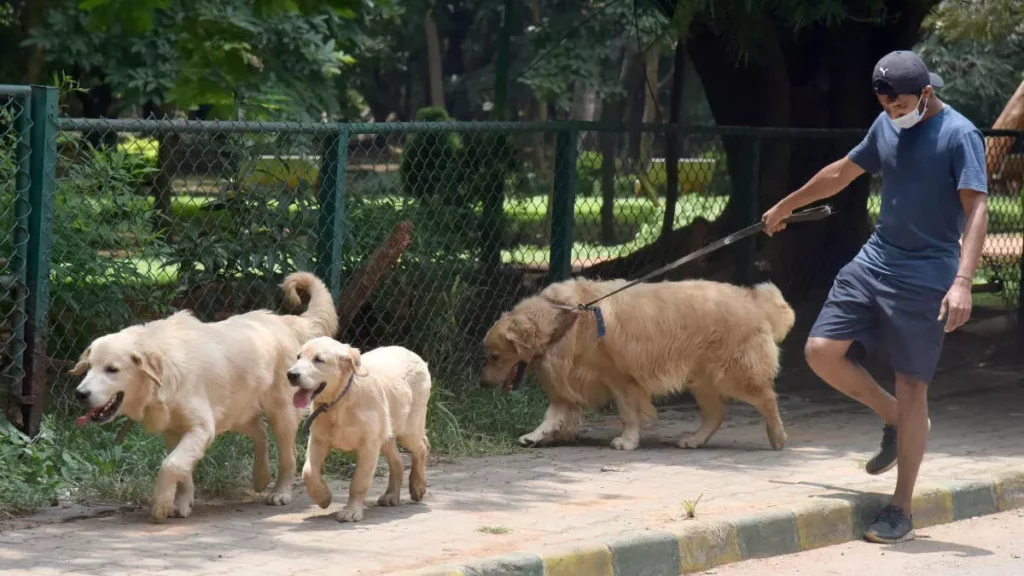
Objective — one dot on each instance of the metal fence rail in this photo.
(153, 216)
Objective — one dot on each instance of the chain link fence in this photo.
(14, 126)
(427, 232)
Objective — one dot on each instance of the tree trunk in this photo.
(434, 61)
(35, 66)
(675, 108)
(1006, 174)
(651, 111)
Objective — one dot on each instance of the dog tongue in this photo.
(89, 416)
(302, 398)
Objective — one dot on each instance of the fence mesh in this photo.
(14, 123)
(152, 216)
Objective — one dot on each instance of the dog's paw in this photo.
(417, 489)
(691, 442)
(531, 440)
(279, 499)
(389, 499)
(161, 510)
(778, 438)
(349, 514)
(622, 443)
(182, 510)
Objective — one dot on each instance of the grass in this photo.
(690, 506)
(496, 530)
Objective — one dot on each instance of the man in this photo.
(911, 274)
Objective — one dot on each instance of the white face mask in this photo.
(911, 118)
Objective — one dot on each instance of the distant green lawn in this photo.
(637, 224)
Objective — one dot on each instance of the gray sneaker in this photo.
(892, 526)
(885, 459)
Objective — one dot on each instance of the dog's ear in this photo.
(151, 364)
(355, 357)
(83, 363)
(522, 334)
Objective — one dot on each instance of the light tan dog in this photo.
(192, 381)
(716, 340)
(363, 402)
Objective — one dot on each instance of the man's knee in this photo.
(910, 387)
(823, 354)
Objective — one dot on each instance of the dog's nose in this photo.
(293, 377)
(81, 394)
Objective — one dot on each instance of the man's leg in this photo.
(912, 395)
(913, 337)
(827, 358)
(850, 313)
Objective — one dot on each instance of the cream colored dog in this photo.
(192, 381)
(363, 402)
(714, 339)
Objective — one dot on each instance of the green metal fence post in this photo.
(331, 222)
(42, 184)
(748, 203)
(22, 212)
(563, 209)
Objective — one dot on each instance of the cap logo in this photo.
(883, 70)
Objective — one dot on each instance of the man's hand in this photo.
(775, 219)
(956, 306)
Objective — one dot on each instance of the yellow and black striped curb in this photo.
(694, 545)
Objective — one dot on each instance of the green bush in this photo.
(431, 160)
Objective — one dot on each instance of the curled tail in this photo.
(779, 313)
(320, 315)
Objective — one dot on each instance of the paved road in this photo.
(990, 545)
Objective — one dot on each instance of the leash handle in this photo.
(810, 215)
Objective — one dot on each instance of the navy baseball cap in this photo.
(903, 72)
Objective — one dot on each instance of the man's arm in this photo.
(828, 182)
(975, 205)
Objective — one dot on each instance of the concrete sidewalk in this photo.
(486, 507)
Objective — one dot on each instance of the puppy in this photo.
(191, 381)
(362, 403)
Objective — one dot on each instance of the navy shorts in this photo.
(885, 315)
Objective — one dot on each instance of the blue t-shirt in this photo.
(917, 237)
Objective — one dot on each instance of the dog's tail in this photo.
(779, 313)
(320, 315)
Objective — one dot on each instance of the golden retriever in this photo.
(363, 402)
(191, 381)
(717, 340)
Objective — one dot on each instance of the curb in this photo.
(694, 546)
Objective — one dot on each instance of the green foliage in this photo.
(430, 161)
(269, 58)
(99, 223)
(978, 49)
(34, 471)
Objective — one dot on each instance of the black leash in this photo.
(809, 215)
(325, 407)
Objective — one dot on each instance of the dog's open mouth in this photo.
(304, 398)
(516, 378)
(104, 413)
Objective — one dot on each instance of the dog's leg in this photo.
(366, 465)
(767, 403)
(420, 448)
(184, 493)
(316, 452)
(712, 414)
(176, 468)
(285, 425)
(558, 416)
(261, 452)
(393, 494)
(184, 498)
(630, 416)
